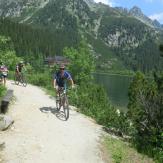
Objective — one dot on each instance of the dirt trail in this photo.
(38, 135)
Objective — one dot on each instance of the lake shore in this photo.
(115, 73)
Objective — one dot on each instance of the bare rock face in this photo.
(137, 13)
(12, 8)
(5, 122)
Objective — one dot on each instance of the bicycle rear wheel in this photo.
(66, 108)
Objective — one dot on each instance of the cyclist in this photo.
(19, 68)
(3, 73)
(60, 79)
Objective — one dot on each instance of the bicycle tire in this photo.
(58, 106)
(66, 108)
(24, 81)
(16, 79)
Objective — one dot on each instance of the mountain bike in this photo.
(62, 102)
(20, 78)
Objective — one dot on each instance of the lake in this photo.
(116, 87)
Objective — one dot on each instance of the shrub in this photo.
(145, 110)
(93, 101)
(40, 79)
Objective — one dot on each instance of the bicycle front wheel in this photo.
(66, 108)
(24, 81)
(16, 79)
(58, 106)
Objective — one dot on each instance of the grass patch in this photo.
(2, 91)
(122, 152)
(50, 92)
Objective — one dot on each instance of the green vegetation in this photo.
(122, 152)
(146, 114)
(35, 42)
(43, 79)
(66, 15)
(161, 50)
(2, 91)
(82, 63)
(7, 53)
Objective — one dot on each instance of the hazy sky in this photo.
(151, 8)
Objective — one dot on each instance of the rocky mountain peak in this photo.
(89, 2)
(12, 8)
(136, 11)
(157, 24)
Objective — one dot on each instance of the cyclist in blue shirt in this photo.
(60, 78)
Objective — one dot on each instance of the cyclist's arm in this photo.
(70, 79)
(72, 82)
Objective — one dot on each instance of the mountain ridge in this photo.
(122, 31)
(137, 12)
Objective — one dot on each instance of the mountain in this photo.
(118, 38)
(90, 3)
(137, 13)
(11, 8)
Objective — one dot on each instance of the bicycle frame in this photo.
(62, 95)
(20, 78)
(63, 102)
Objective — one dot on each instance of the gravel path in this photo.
(40, 135)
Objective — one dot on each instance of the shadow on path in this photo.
(20, 84)
(59, 114)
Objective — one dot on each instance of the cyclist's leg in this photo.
(57, 98)
(4, 79)
(57, 92)
(17, 75)
(21, 77)
(1, 79)
(16, 78)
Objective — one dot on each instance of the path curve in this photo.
(38, 136)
